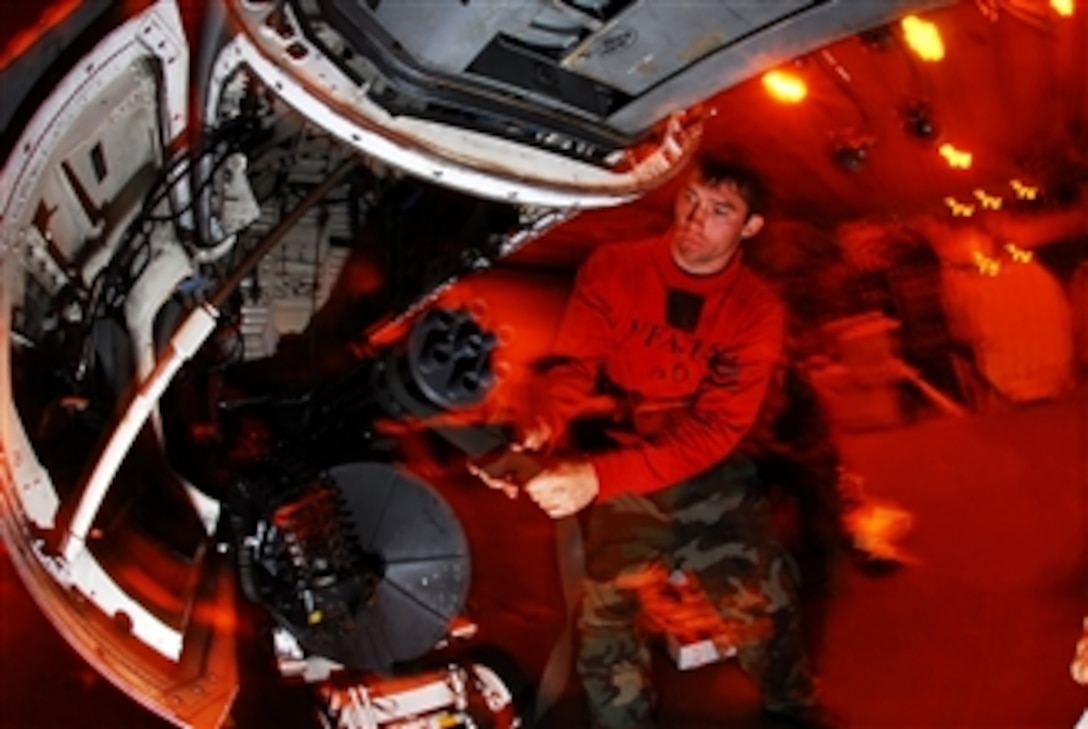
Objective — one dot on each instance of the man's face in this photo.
(710, 223)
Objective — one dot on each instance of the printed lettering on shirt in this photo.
(722, 365)
(660, 338)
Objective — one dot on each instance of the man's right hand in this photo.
(509, 471)
(496, 482)
(516, 466)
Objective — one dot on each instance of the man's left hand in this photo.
(565, 488)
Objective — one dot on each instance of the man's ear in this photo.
(752, 225)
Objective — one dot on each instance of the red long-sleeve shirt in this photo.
(716, 352)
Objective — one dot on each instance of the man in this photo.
(691, 337)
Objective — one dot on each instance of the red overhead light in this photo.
(786, 87)
(1018, 254)
(986, 266)
(956, 158)
(959, 210)
(1064, 8)
(988, 202)
(923, 37)
(1024, 192)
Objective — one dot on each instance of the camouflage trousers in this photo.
(715, 528)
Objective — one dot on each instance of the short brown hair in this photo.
(720, 170)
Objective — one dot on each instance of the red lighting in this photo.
(957, 159)
(785, 87)
(1064, 8)
(923, 38)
